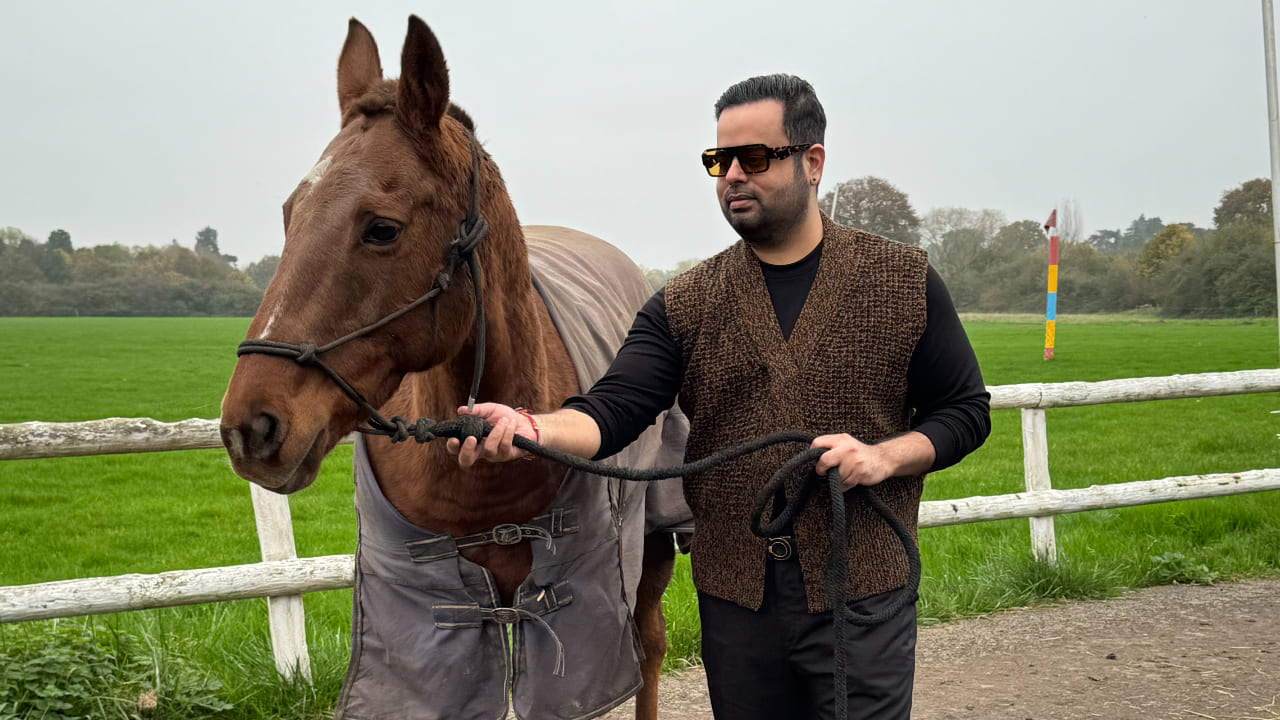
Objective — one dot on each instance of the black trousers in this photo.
(777, 663)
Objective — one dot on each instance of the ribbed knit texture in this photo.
(843, 369)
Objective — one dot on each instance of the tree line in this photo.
(989, 263)
(993, 265)
(56, 278)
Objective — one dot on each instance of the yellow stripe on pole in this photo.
(1053, 278)
(1049, 333)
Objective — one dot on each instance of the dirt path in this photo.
(1180, 652)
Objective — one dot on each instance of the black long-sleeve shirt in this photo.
(944, 384)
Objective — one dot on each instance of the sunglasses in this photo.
(751, 158)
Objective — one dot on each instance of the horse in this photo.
(404, 198)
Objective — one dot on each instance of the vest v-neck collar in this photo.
(754, 300)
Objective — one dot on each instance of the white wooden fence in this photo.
(282, 577)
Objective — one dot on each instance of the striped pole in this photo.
(1051, 305)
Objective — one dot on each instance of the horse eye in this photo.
(381, 232)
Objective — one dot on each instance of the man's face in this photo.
(761, 207)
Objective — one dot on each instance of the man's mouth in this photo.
(738, 201)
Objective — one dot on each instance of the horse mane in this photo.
(381, 98)
(461, 116)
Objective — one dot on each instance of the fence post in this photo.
(1035, 464)
(288, 625)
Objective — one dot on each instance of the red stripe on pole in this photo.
(1053, 250)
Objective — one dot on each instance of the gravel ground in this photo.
(1177, 651)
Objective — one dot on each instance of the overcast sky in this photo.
(138, 122)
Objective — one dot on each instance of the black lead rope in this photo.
(836, 572)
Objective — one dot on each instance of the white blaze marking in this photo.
(317, 172)
(312, 178)
(266, 330)
(271, 319)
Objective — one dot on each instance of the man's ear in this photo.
(815, 159)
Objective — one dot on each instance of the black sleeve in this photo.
(641, 383)
(944, 385)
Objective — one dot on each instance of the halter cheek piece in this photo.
(462, 251)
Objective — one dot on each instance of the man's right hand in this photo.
(497, 447)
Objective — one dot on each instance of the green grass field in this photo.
(84, 517)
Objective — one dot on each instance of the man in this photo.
(802, 325)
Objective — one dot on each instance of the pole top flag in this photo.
(1052, 222)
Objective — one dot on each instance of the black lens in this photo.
(753, 158)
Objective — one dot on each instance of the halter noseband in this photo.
(471, 231)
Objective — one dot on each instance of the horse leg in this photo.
(659, 559)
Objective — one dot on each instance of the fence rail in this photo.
(273, 578)
(113, 436)
(283, 578)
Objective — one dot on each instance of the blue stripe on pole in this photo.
(1051, 313)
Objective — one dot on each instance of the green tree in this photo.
(207, 242)
(1246, 283)
(658, 278)
(1249, 203)
(12, 237)
(207, 246)
(1106, 241)
(54, 265)
(876, 206)
(60, 240)
(1024, 237)
(1138, 233)
(100, 263)
(1229, 274)
(1162, 247)
(1091, 281)
(939, 221)
(21, 257)
(959, 260)
(263, 270)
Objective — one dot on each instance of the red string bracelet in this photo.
(537, 434)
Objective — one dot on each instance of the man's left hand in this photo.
(858, 462)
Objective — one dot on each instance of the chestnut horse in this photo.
(367, 231)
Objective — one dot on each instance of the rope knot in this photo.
(399, 430)
(306, 354)
(443, 279)
(424, 430)
(470, 232)
(472, 426)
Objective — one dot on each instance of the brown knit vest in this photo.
(843, 369)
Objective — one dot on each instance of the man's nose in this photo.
(736, 174)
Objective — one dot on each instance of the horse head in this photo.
(370, 229)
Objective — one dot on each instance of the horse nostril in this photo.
(262, 436)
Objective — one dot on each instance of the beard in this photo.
(769, 224)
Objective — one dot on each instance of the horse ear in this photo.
(422, 95)
(358, 66)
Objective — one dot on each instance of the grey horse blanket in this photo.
(429, 637)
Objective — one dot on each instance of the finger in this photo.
(826, 461)
(508, 437)
(467, 454)
(493, 442)
(484, 410)
(452, 445)
(823, 441)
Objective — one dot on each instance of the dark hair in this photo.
(803, 118)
